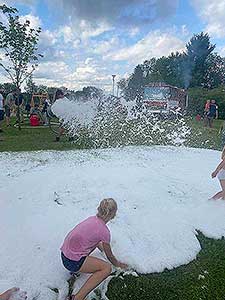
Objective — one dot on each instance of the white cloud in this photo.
(58, 73)
(134, 31)
(48, 38)
(155, 44)
(105, 46)
(212, 14)
(52, 70)
(67, 33)
(88, 30)
(221, 50)
(13, 2)
(35, 21)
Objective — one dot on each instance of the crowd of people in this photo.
(13, 104)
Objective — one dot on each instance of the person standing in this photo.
(206, 111)
(9, 103)
(2, 113)
(46, 104)
(19, 103)
(213, 113)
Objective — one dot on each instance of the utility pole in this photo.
(113, 79)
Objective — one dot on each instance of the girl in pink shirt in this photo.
(82, 240)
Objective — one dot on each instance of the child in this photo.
(220, 173)
(82, 240)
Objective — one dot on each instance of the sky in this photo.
(84, 42)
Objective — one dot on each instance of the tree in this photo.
(136, 84)
(89, 92)
(19, 43)
(30, 87)
(197, 51)
(7, 87)
(215, 71)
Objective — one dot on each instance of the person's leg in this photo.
(6, 295)
(7, 115)
(100, 270)
(61, 131)
(205, 120)
(210, 122)
(217, 196)
(222, 183)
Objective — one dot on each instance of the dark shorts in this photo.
(7, 111)
(2, 115)
(72, 265)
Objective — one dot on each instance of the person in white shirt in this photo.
(2, 112)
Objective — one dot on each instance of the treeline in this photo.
(32, 88)
(198, 66)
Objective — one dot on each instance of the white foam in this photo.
(162, 195)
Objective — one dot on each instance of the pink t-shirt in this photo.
(85, 237)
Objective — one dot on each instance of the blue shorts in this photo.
(72, 265)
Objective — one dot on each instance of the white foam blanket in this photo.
(162, 195)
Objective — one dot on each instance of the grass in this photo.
(202, 279)
(31, 139)
(42, 138)
(204, 137)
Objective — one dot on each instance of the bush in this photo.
(198, 97)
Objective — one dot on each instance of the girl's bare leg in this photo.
(100, 270)
(217, 196)
(8, 294)
(222, 183)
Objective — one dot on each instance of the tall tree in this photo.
(136, 83)
(215, 72)
(19, 43)
(31, 87)
(197, 52)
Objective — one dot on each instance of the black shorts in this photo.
(72, 265)
(2, 113)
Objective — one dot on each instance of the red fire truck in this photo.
(160, 97)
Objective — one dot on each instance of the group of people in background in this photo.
(9, 104)
(13, 104)
(210, 113)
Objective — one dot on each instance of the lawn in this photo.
(202, 279)
(42, 138)
(31, 139)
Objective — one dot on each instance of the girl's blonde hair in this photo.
(107, 209)
(223, 153)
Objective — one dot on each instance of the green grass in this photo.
(31, 139)
(182, 283)
(204, 137)
(42, 138)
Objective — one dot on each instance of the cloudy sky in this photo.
(84, 42)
